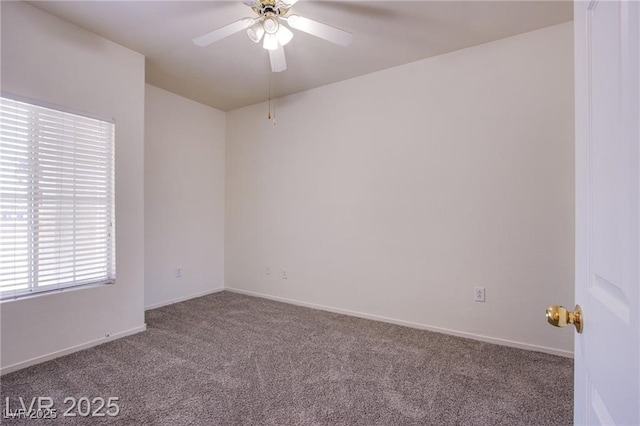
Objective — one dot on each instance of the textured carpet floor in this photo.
(229, 359)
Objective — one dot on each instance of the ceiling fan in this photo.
(269, 26)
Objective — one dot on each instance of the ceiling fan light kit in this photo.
(270, 42)
(284, 35)
(255, 32)
(269, 28)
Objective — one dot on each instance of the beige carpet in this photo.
(229, 359)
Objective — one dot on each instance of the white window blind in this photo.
(56, 200)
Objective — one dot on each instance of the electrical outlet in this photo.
(178, 271)
(478, 294)
(285, 275)
(268, 269)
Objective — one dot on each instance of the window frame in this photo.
(105, 188)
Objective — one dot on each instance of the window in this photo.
(56, 199)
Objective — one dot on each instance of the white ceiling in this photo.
(234, 72)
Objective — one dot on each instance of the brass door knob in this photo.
(559, 316)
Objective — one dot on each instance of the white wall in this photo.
(47, 59)
(184, 197)
(394, 194)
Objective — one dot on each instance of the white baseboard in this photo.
(182, 299)
(487, 339)
(72, 349)
(96, 342)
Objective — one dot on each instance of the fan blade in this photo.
(226, 31)
(278, 60)
(318, 29)
(288, 3)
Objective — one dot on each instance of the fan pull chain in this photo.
(269, 96)
(271, 116)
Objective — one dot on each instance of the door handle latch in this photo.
(559, 316)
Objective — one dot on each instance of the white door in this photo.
(607, 353)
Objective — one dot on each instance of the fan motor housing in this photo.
(274, 7)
